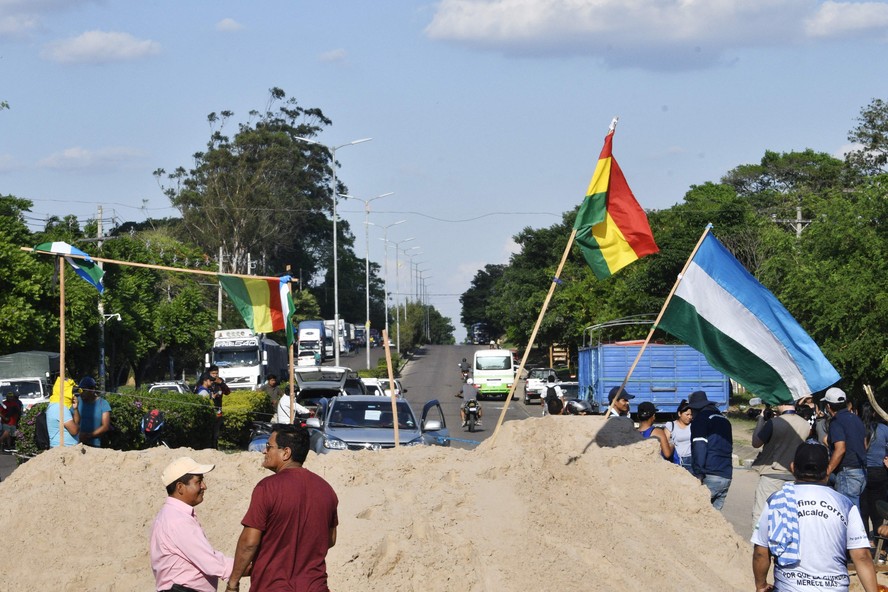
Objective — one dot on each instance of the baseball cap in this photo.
(646, 409)
(835, 395)
(624, 395)
(183, 466)
(811, 460)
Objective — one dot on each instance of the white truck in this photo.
(245, 359)
(310, 339)
(343, 337)
(29, 375)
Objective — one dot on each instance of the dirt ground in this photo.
(557, 504)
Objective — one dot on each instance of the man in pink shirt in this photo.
(182, 558)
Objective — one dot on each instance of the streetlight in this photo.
(409, 275)
(332, 150)
(398, 289)
(385, 228)
(367, 264)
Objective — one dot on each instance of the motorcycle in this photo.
(259, 435)
(472, 409)
(465, 375)
(577, 407)
(152, 428)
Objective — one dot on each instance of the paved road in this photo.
(434, 374)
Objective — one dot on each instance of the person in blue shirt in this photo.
(71, 418)
(711, 448)
(847, 437)
(95, 414)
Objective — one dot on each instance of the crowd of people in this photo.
(288, 528)
(85, 415)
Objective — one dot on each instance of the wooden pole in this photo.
(61, 263)
(391, 376)
(533, 334)
(153, 266)
(292, 388)
(659, 316)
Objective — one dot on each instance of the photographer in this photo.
(778, 433)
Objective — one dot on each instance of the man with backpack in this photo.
(552, 397)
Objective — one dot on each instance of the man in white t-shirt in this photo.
(821, 525)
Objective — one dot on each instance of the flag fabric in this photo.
(287, 308)
(612, 229)
(85, 267)
(723, 312)
(265, 304)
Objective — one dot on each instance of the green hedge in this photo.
(189, 419)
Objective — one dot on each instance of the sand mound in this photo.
(564, 503)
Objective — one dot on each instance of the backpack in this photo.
(41, 431)
(551, 393)
(152, 422)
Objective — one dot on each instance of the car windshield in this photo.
(493, 362)
(165, 387)
(354, 386)
(540, 373)
(373, 389)
(235, 358)
(369, 414)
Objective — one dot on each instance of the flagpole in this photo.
(61, 265)
(391, 377)
(292, 386)
(533, 334)
(659, 316)
(153, 266)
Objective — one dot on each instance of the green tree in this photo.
(475, 300)
(306, 307)
(871, 133)
(261, 192)
(25, 305)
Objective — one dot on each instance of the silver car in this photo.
(366, 422)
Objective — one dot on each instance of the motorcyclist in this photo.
(468, 393)
(464, 368)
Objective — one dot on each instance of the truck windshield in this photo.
(25, 389)
(230, 358)
(493, 363)
(309, 345)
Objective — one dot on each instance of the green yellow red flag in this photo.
(612, 229)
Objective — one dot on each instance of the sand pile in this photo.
(561, 504)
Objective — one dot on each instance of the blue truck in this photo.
(665, 375)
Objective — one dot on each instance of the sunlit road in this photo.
(434, 374)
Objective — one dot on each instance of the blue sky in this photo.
(487, 116)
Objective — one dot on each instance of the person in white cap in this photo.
(182, 558)
(847, 442)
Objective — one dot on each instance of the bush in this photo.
(381, 369)
(239, 410)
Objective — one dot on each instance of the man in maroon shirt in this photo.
(291, 521)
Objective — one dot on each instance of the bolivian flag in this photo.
(612, 229)
(265, 304)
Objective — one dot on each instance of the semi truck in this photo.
(665, 375)
(245, 359)
(29, 375)
(310, 338)
(343, 339)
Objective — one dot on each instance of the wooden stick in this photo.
(872, 399)
(62, 263)
(533, 334)
(659, 316)
(391, 376)
(153, 266)
(292, 387)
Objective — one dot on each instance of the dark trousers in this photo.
(876, 489)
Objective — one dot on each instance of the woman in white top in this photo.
(679, 433)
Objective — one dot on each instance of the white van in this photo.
(493, 373)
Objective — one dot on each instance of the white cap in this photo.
(181, 467)
(835, 395)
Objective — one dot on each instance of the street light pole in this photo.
(398, 290)
(385, 269)
(332, 150)
(367, 265)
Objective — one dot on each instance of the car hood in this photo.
(372, 436)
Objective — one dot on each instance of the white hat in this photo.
(181, 467)
(834, 395)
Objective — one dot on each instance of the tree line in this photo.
(809, 226)
(260, 196)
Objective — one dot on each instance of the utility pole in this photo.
(798, 223)
(101, 308)
(219, 301)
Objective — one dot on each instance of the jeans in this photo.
(851, 483)
(718, 489)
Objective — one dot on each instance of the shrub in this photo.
(239, 410)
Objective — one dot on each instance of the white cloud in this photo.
(96, 47)
(18, 18)
(81, 159)
(842, 19)
(650, 34)
(846, 149)
(334, 55)
(228, 25)
(510, 248)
